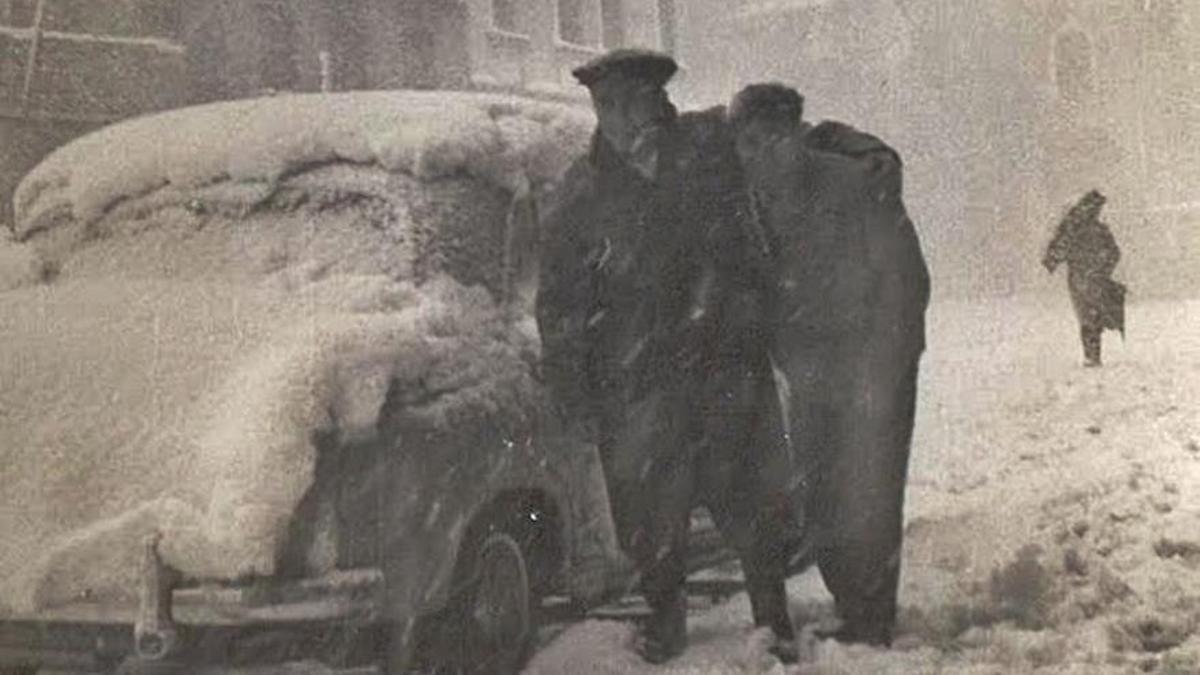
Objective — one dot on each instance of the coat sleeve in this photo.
(742, 269)
(1056, 250)
(902, 284)
(1109, 254)
(737, 274)
(885, 169)
(562, 305)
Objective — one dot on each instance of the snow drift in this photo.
(226, 283)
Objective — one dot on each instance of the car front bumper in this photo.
(329, 624)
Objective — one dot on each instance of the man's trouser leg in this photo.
(662, 557)
(762, 549)
(863, 493)
(811, 402)
(1089, 335)
(1086, 298)
(651, 480)
(764, 564)
(744, 477)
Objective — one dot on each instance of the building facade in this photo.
(99, 60)
(534, 44)
(243, 47)
(67, 66)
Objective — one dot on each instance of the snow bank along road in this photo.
(1053, 513)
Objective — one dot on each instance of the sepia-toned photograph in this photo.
(599, 337)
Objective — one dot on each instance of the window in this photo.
(612, 17)
(92, 61)
(129, 18)
(1073, 65)
(504, 15)
(667, 25)
(570, 21)
(17, 13)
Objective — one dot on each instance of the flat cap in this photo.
(769, 99)
(641, 64)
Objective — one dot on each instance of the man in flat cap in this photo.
(852, 289)
(650, 308)
(1091, 253)
(778, 109)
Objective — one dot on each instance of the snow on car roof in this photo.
(428, 135)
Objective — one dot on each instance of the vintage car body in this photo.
(427, 531)
(362, 616)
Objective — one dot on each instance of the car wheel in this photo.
(499, 609)
(489, 627)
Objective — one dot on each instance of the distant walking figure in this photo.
(1091, 254)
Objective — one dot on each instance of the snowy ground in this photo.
(1053, 513)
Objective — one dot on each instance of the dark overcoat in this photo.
(651, 312)
(1088, 247)
(853, 288)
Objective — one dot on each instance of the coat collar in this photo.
(610, 170)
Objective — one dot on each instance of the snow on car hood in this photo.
(189, 408)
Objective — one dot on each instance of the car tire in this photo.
(489, 628)
(501, 608)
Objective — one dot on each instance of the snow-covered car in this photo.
(269, 392)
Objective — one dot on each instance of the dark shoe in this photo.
(656, 651)
(664, 635)
(1091, 363)
(787, 651)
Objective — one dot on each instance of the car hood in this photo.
(138, 405)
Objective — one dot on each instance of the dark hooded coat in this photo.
(1088, 247)
(851, 298)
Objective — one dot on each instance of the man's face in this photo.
(630, 113)
(757, 137)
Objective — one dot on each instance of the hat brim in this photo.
(657, 69)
